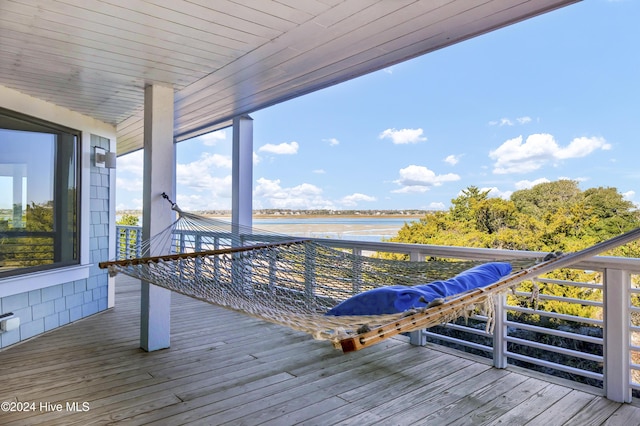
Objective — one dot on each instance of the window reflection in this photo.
(38, 195)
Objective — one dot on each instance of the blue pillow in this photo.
(399, 298)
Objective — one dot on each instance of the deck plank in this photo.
(626, 415)
(226, 368)
(524, 412)
(564, 409)
(596, 413)
(482, 407)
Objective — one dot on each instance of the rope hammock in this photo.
(295, 282)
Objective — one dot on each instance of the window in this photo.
(39, 195)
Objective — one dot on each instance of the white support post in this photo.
(242, 193)
(113, 238)
(242, 171)
(159, 177)
(617, 369)
(500, 332)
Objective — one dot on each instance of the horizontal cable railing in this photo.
(634, 331)
(564, 344)
(21, 249)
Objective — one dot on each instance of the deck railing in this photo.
(128, 239)
(602, 351)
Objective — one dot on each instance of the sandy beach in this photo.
(357, 227)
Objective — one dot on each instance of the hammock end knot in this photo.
(174, 206)
(113, 271)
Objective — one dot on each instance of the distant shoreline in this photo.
(368, 226)
(305, 214)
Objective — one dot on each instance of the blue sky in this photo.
(556, 96)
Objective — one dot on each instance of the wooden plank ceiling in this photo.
(224, 57)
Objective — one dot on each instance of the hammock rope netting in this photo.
(282, 279)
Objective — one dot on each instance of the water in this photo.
(366, 228)
(346, 228)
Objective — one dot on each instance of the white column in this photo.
(111, 281)
(18, 207)
(159, 177)
(616, 335)
(242, 171)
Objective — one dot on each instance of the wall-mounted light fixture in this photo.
(103, 158)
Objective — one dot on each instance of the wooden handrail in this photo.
(229, 250)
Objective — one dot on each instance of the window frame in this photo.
(54, 128)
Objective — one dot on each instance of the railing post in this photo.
(417, 337)
(309, 272)
(416, 256)
(273, 265)
(197, 246)
(118, 242)
(617, 369)
(500, 359)
(138, 246)
(357, 271)
(216, 260)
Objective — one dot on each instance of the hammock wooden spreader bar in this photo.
(169, 257)
(426, 317)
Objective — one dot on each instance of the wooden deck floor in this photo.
(226, 368)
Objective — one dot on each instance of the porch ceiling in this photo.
(224, 57)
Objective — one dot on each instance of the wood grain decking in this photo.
(227, 368)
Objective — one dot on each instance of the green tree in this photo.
(546, 197)
(128, 220)
(463, 205)
(551, 216)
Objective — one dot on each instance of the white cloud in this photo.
(332, 141)
(353, 199)
(628, 195)
(283, 148)
(131, 163)
(420, 179)
(303, 196)
(403, 136)
(133, 204)
(581, 147)
(528, 184)
(436, 206)
(496, 193)
(128, 184)
(211, 139)
(256, 158)
(200, 188)
(516, 156)
(130, 177)
(217, 186)
(388, 70)
(509, 122)
(204, 164)
(452, 159)
(216, 200)
(492, 192)
(577, 179)
(319, 171)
